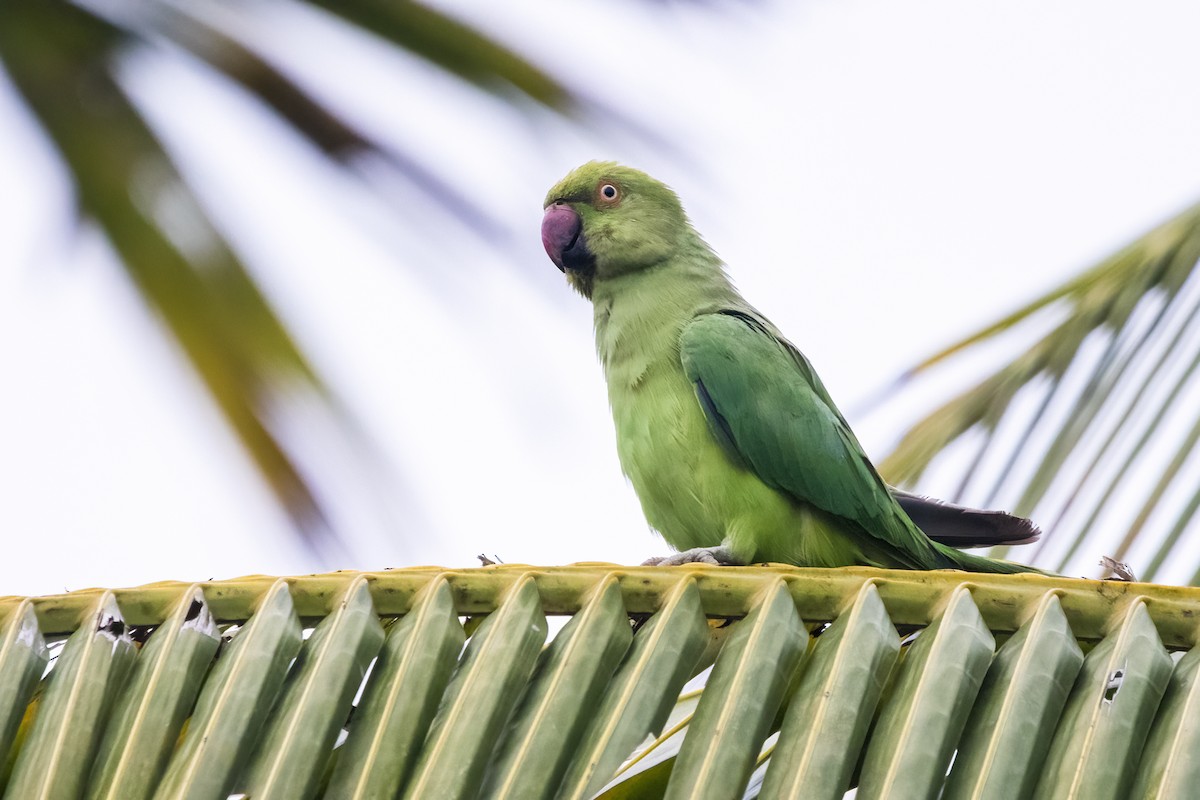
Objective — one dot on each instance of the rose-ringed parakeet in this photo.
(731, 442)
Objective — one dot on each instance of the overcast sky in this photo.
(880, 177)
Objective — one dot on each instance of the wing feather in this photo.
(768, 408)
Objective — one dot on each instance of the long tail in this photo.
(959, 526)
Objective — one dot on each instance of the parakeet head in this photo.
(604, 220)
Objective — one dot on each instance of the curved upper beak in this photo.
(562, 236)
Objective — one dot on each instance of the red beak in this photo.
(562, 236)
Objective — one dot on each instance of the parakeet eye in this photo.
(609, 192)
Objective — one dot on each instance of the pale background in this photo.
(880, 177)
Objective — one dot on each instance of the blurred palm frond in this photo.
(1098, 414)
(61, 56)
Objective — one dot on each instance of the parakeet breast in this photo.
(665, 450)
(690, 490)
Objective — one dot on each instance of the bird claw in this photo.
(716, 556)
(1119, 569)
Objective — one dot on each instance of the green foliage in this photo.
(508, 717)
(61, 58)
(1068, 461)
(57, 755)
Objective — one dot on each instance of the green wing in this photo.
(768, 408)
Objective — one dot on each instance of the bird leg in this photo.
(720, 556)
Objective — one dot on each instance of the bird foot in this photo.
(717, 556)
(1119, 569)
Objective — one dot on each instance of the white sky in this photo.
(880, 177)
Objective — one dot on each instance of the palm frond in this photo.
(124, 181)
(1085, 409)
(452, 46)
(60, 57)
(993, 687)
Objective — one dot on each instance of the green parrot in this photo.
(733, 446)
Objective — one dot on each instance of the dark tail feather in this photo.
(958, 526)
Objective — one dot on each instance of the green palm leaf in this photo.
(993, 673)
(60, 57)
(1083, 407)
